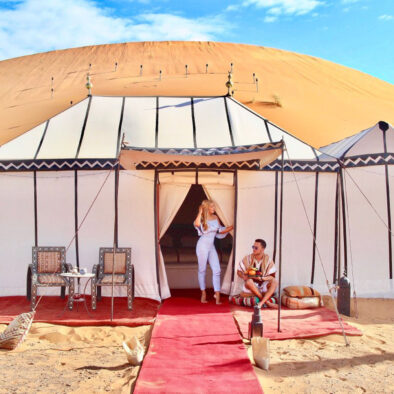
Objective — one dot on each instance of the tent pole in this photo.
(280, 236)
(115, 245)
(156, 202)
(235, 229)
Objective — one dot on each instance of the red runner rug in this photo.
(51, 310)
(306, 323)
(196, 348)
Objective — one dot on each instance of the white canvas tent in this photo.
(51, 174)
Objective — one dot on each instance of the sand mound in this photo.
(60, 359)
(316, 100)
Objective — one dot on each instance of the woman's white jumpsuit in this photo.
(206, 252)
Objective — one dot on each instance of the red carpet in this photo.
(306, 323)
(196, 348)
(50, 310)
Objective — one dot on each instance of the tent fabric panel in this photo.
(137, 228)
(247, 128)
(372, 142)
(63, 133)
(101, 132)
(23, 147)
(204, 178)
(98, 228)
(297, 236)
(325, 231)
(297, 150)
(211, 123)
(338, 149)
(56, 214)
(139, 121)
(255, 216)
(16, 231)
(175, 123)
(390, 139)
(368, 238)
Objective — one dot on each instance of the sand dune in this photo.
(316, 100)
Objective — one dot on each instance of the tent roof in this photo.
(378, 139)
(93, 128)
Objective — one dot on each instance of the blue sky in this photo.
(355, 33)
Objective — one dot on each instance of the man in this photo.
(264, 285)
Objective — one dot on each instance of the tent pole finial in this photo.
(89, 85)
(229, 84)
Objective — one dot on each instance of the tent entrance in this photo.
(178, 245)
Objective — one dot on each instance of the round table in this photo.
(78, 296)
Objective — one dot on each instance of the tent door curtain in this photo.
(172, 191)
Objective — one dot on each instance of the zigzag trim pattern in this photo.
(369, 160)
(250, 165)
(314, 166)
(101, 164)
(56, 165)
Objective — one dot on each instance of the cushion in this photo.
(48, 262)
(117, 279)
(16, 331)
(48, 279)
(248, 300)
(301, 303)
(120, 263)
(300, 291)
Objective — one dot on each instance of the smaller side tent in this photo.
(366, 178)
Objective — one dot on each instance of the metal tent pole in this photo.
(280, 235)
(115, 245)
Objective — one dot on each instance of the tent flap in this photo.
(261, 154)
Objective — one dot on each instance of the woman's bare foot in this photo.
(203, 297)
(217, 297)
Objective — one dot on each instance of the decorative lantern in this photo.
(256, 325)
(343, 300)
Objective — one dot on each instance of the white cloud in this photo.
(173, 27)
(386, 17)
(288, 7)
(270, 19)
(33, 26)
(232, 7)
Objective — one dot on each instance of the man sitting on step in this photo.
(258, 273)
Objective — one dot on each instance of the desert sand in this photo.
(60, 359)
(316, 100)
(90, 359)
(326, 365)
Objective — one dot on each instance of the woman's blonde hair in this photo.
(204, 216)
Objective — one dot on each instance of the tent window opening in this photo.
(178, 245)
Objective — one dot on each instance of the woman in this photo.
(208, 227)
